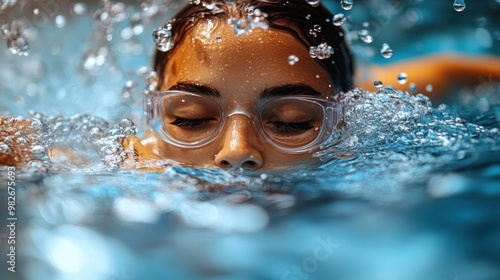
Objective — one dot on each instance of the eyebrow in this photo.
(196, 88)
(277, 91)
(288, 90)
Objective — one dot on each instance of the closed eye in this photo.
(286, 127)
(180, 122)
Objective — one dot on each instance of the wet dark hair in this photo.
(295, 17)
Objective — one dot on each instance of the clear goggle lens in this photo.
(293, 124)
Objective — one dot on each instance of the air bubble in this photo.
(317, 28)
(459, 5)
(402, 78)
(338, 19)
(346, 4)
(378, 84)
(386, 51)
(365, 36)
(292, 59)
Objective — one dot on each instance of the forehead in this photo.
(212, 54)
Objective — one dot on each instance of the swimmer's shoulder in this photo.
(443, 71)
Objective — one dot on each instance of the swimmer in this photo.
(234, 101)
(257, 99)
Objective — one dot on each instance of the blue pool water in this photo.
(408, 189)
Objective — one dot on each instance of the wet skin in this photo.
(239, 69)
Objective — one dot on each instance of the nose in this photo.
(239, 147)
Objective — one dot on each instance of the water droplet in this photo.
(80, 8)
(4, 4)
(459, 120)
(255, 18)
(18, 46)
(346, 4)
(378, 84)
(292, 59)
(386, 51)
(127, 33)
(163, 39)
(412, 87)
(338, 19)
(209, 6)
(152, 80)
(459, 5)
(110, 15)
(129, 89)
(428, 88)
(308, 16)
(365, 36)
(60, 21)
(402, 78)
(36, 11)
(317, 28)
(313, 3)
(322, 51)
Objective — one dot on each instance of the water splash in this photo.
(110, 15)
(397, 130)
(255, 18)
(80, 142)
(13, 32)
(5, 4)
(106, 19)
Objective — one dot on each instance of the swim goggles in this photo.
(292, 124)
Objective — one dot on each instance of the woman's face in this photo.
(239, 69)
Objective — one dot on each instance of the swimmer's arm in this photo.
(443, 72)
